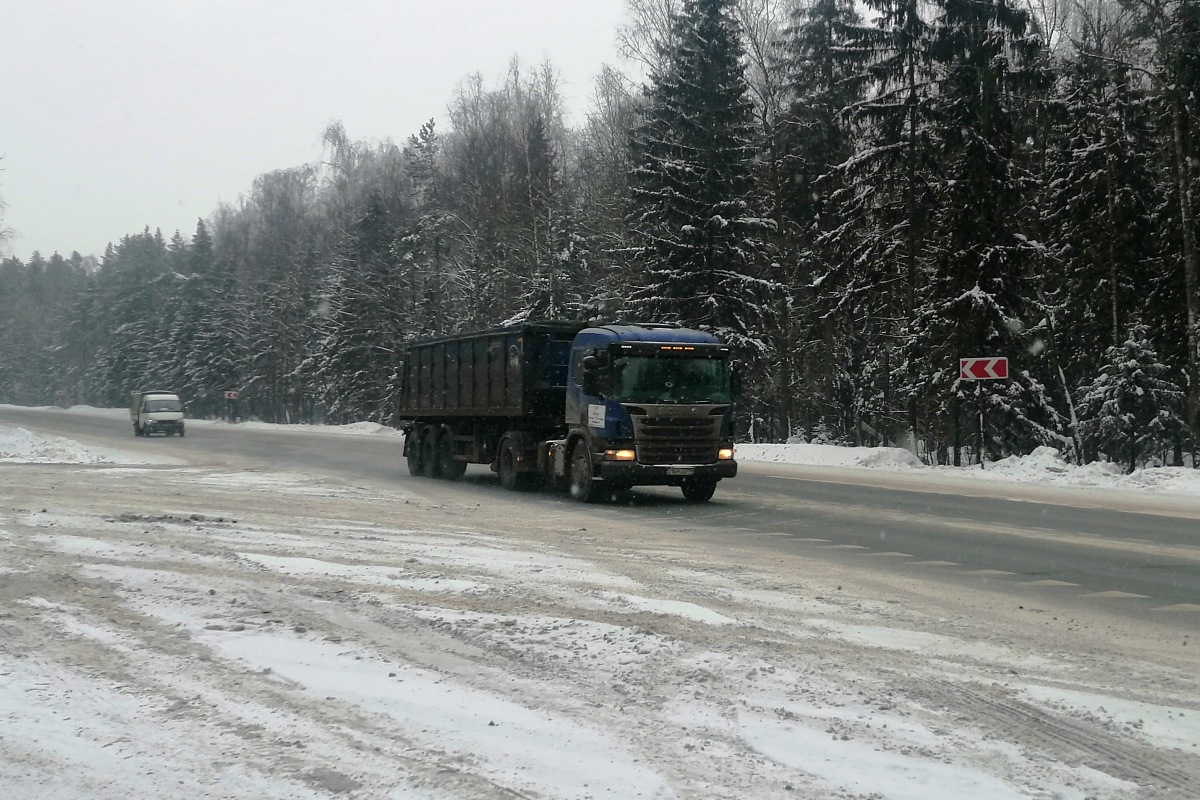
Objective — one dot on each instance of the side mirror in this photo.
(735, 379)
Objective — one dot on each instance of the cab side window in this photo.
(577, 367)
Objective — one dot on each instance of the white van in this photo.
(156, 412)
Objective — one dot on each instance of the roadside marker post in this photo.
(987, 368)
(983, 368)
(231, 406)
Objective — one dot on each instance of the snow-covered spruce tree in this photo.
(367, 308)
(1099, 205)
(218, 354)
(196, 295)
(19, 312)
(822, 62)
(565, 290)
(1170, 31)
(890, 183)
(697, 232)
(975, 301)
(136, 284)
(424, 249)
(1130, 411)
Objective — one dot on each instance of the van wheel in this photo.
(584, 487)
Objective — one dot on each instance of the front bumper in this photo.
(163, 426)
(634, 474)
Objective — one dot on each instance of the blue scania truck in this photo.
(597, 408)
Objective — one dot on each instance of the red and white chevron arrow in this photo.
(982, 369)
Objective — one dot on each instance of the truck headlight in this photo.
(725, 453)
(619, 455)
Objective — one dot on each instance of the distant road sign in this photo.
(231, 395)
(982, 369)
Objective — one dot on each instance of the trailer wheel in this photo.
(506, 467)
(698, 491)
(448, 466)
(429, 457)
(416, 466)
(583, 485)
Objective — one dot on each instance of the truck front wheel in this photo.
(584, 487)
(698, 491)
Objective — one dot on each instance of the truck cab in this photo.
(648, 405)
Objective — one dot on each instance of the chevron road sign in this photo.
(982, 369)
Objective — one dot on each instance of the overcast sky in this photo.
(127, 113)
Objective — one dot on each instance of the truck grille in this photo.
(677, 439)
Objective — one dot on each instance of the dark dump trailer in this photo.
(601, 408)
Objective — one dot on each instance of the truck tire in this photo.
(180, 431)
(416, 466)
(448, 466)
(433, 467)
(137, 430)
(506, 467)
(698, 491)
(584, 487)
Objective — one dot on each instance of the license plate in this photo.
(681, 470)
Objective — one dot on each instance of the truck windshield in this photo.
(671, 380)
(164, 404)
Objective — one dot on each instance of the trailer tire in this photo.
(429, 455)
(448, 466)
(416, 465)
(506, 467)
(698, 490)
(584, 487)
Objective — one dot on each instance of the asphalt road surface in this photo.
(1132, 555)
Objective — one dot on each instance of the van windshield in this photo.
(671, 380)
(163, 404)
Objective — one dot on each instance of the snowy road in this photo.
(1136, 552)
(225, 626)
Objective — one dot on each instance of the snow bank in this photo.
(20, 446)
(1045, 466)
(829, 455)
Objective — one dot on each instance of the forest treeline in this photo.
(855, 195)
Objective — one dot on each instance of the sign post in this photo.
(231, 399)
(985, 368)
